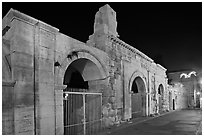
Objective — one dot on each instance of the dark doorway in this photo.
(161, 97)
(138, 98)
(173, 104)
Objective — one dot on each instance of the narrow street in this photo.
(182, 122)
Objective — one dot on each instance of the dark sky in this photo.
(169, 33)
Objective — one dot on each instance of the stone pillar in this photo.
(23, 74)
(149, 102)
(148, 93)
(127, 94)
(45, 39)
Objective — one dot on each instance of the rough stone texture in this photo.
(7, 91)
(7, 110)
(24, 120)
(109, 65)
(105, 21)
(22, 73)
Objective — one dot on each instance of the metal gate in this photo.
(82, 112)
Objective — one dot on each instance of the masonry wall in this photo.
(124, 62)
(20, 39)
(38, 91)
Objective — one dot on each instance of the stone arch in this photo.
(87, 68)
(81, 71)
(138, 90)
(133, 76)
(160, 89)
(83, 55)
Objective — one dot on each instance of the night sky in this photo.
(169, 33)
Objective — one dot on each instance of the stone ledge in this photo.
(14, 14)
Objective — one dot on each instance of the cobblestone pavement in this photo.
(180, 122)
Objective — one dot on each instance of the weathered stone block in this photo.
(44, 88)
(20, 44)
(62, 43)
(105, 111)
(59, 79)
(60, 56)
(22, 74)
(24, 120)
(59, 116)
(7, 98)
(23, 29)
(47, 39)
(43, 76)
(47, 126)
(46, 53)
(44, 64)
(7, 127)
(7, 120)
(59, 98)
(22, 59)
(44, 100)
(24, 95)
(45, 111)
(45, 94)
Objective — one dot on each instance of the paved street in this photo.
(183, 122)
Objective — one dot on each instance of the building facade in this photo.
(185, 89)
(54, 84)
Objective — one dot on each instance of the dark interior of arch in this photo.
(79, 72)
(160, 90)
(77, 81)
(134, 87)
(74, 79)
(138, 85)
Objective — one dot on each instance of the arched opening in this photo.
(75, 79)
(161, 97)
(79, 72)
(77, 104)
(138, 99)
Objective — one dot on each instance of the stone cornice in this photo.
(14, 14)
(127, 46)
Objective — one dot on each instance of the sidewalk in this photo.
(130, 123)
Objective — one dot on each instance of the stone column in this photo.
(45, 41)
(23, 73)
